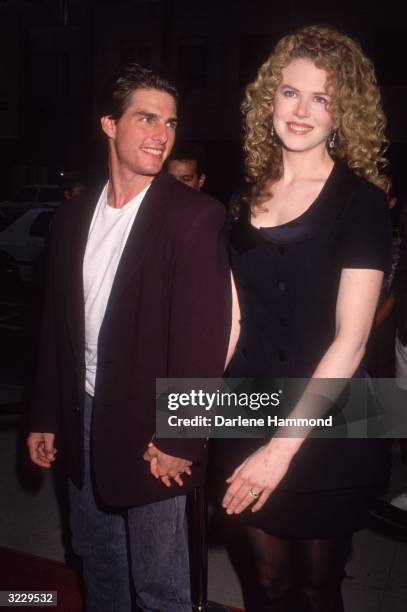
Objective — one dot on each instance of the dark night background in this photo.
(54, 57)
(56, 53)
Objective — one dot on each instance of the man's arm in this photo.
(200, 314)
(165, 466)
(44, 413)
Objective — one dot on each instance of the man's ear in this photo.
(201, 180)
(108, 126)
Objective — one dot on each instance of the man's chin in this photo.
(151, 171)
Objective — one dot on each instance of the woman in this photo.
(309, 246)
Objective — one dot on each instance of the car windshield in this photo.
(9, 214)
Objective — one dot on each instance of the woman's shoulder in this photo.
(357, 199)
(360, 188)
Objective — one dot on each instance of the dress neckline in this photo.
(314, 204)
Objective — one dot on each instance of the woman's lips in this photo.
(299, 128)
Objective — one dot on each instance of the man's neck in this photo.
(124, 186)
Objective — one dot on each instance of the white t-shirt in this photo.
(107, 238)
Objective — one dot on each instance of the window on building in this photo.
(193, 62)
(390, 45)
(26, 194)
(253, 51)
(133, 51)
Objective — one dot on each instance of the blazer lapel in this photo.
(146, 226)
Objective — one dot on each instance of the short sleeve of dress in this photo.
(366, 236)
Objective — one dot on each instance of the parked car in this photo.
(23, 236)
(36, 195)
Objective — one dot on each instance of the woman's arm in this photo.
(235, 328)
(356, 304)
(357, 299)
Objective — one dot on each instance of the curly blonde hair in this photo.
(355, 109)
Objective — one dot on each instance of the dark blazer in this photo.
(168, 315)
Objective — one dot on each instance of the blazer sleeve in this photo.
(44, 412)
(200, 316)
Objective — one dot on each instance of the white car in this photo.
(23, 236)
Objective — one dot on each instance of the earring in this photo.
(331, 140)
(274, 139)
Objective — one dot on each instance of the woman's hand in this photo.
(257, 477)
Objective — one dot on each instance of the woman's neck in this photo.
(315, 164)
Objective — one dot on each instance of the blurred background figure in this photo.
(74, 185)
(380, 360)
(399, 296)
(186, 165)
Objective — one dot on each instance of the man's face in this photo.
(185, 170)
(144, 135)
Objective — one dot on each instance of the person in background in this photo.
(380, 358)
(73, 187)
(185, 164)
(399, 294)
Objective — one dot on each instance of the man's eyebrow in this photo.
(148, 115)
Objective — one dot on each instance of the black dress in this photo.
(287, 281)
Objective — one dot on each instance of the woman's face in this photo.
(300, 116)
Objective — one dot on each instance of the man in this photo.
(138, 288)
(73, 187)
(185, 165)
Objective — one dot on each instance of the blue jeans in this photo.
(158, 548)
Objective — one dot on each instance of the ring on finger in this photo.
(253, 494)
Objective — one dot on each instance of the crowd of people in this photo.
(150, 278)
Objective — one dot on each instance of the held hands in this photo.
(41, 448)
(165, 466)
(257, 477)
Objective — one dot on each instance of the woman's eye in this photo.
(320, 100)
(289, 93)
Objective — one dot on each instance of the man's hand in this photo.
(165, 466)
(41, 448)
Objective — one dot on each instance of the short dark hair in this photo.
(189, 151)
(120, 86)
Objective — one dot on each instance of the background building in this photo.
(56, 53)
